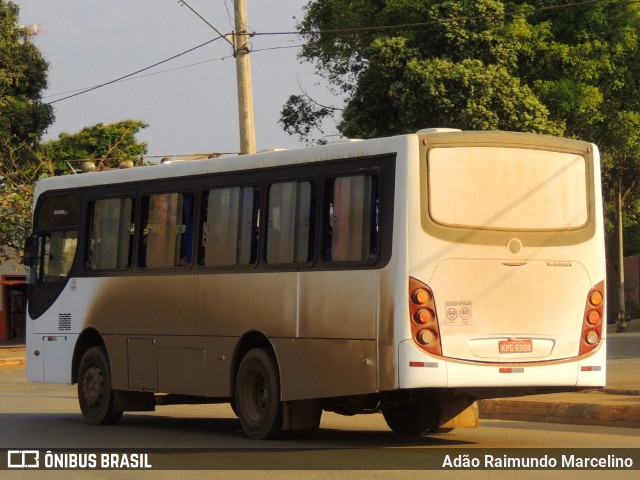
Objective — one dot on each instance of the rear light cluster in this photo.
(424, 320)
(592, 323)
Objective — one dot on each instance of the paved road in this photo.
(46, 416)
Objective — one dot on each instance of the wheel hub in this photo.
(93, 386)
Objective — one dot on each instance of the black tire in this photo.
(258, 395)
(418, 414)
(94, 388)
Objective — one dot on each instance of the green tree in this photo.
(549, 66)
(106, 145)
(447, 72)
(24, 117)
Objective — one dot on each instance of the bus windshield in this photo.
(507, 188)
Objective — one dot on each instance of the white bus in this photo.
(409, 275)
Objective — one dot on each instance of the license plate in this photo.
(515, 346)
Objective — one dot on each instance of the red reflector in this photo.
(505, 370)
(595, 368)
(416, 364)
(511, 370)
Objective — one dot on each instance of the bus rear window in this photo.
(507, 188)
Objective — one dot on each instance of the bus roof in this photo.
(276, 158)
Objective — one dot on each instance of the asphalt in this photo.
(616, 405)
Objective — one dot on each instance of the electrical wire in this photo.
(145, 75)
(134, 75)
(119, 79)
(442, 21)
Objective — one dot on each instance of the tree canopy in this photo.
(545, 66)
(104, 146)
(24, 117)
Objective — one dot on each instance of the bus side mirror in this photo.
(29, 258)
(29, 254)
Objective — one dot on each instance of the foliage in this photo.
(22, 166)
(24, 118)
(107, 145)
(486, 64)
(16, 195)
(23, 77)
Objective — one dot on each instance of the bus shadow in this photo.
(325, 437)
(220, 444)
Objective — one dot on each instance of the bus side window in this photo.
(111, 235)
(230, 223)
(166, 230)
(290, 223)
(351, 217)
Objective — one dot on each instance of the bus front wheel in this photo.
(257, 397)
(94, 388)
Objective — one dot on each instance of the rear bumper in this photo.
(419, 370)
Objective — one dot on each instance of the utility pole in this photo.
(243, 73)
(241, 51)
(621, 321)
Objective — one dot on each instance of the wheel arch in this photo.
(250, 340)
(90, 337)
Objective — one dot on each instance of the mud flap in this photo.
(301, 415)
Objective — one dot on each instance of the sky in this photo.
(189, 103)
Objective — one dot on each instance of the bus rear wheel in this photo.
(94, 388)
(258, 395)
(417, 414)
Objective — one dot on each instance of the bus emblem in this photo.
(555, 263)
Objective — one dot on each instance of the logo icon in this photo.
(23, 459)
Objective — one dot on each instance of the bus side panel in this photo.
(320, 368)
(137, 305)
(338, 304)
(230, 304)
(196, 365)
(117, 351)
(187, 365)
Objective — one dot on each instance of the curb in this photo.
(10, 362)
(627, 416)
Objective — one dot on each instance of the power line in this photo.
(82, 90)
(132, 75)
(119, 79)
(443, 21)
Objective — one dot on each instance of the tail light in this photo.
(424, 319)
(593, 320)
